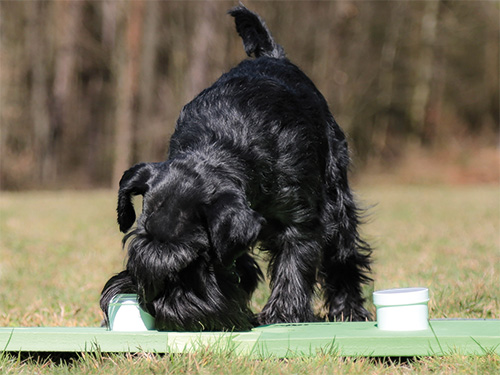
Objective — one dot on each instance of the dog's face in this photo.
(184, 222)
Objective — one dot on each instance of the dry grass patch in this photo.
(58, 249)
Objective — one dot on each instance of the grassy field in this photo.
(57, 249)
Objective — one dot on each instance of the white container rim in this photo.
(120, 298)
(400, 296)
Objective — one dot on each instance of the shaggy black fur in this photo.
(255, 158)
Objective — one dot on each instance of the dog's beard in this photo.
(184, 287)
(154, 264)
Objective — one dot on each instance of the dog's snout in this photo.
(157, 225)
(170, 225)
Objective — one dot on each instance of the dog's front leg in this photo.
(293, 275)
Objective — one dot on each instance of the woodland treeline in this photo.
(90, 87)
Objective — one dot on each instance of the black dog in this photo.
(255, 158)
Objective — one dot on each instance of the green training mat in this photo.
(466, 337)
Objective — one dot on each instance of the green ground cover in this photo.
(57, 249)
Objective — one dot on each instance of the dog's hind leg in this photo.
(293, 267)
(346, 257)
(342, 277)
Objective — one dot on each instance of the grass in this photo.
(57, 249)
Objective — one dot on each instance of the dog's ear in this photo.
(233, 226)
(133, 182)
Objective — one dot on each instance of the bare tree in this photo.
(43, 131)
(202, 45)
(87, 88)
(127, 57)
(67, 19)
(15, 163)
(424, 68)
(147, 85)
(386, 80)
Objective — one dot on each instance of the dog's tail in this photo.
(257, 38)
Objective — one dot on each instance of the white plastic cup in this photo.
(125, 314)
(402, 309)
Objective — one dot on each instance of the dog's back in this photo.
(269, 115)
(258, 98)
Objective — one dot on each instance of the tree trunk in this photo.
(203, 42)
(43, 133)
(147, 85)
(63, 109)
(127, 54)
(424, 69)
(386, 94)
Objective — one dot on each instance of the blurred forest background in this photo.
(90, 87)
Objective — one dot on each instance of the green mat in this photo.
(467, 337)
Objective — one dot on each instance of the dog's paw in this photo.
(275, 316)
(358, 314)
